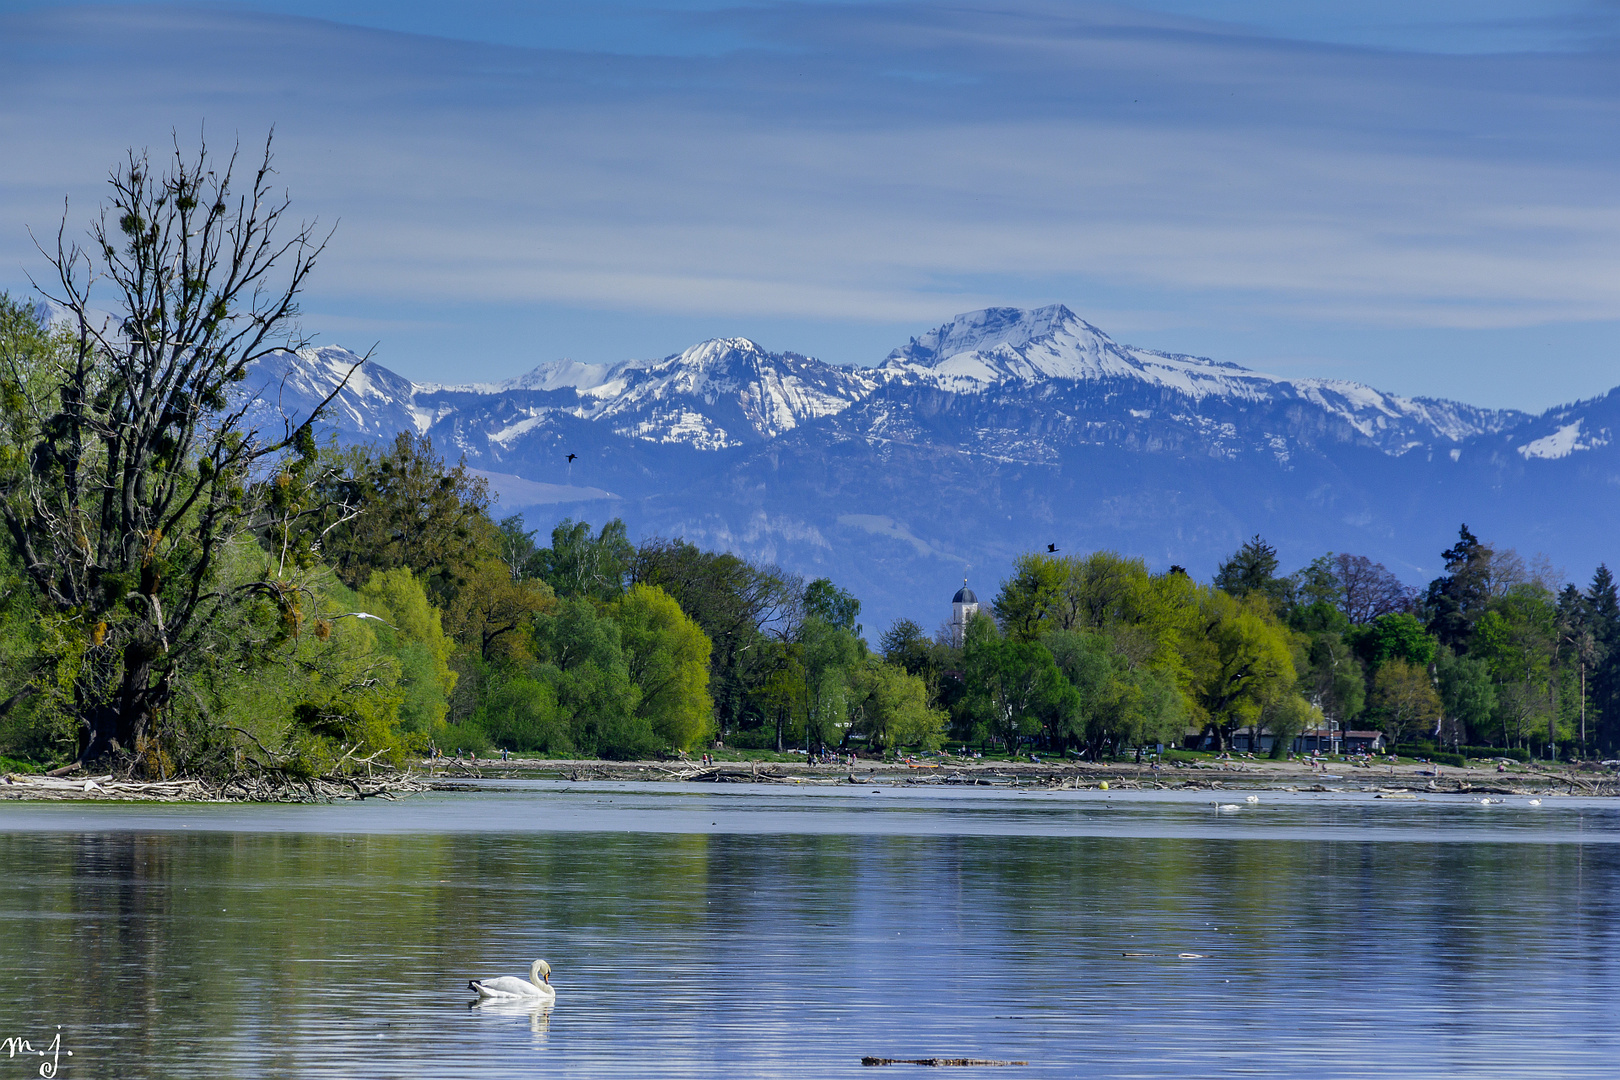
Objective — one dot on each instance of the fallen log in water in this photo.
(936, 1061)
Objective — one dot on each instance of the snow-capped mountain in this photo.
(375, 402)
(717, 394)
(729, 392)
(1001, 431)
(1007, 345)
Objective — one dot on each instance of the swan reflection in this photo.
(538, 1012)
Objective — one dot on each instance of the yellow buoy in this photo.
(1103, 786)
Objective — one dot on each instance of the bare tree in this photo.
(1368, 590)
(134, 463)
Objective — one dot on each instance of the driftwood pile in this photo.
(314, 789)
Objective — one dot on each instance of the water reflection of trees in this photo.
(145, 944)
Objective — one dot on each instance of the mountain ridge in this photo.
(1000, 431)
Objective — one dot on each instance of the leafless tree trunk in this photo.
(139, 465)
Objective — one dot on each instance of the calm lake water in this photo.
(742, 931)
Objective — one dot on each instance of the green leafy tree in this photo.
(889, 707)
(415, 512)
(520, 712)
(747, 610)
(1028, 600)
(1467, 696)
(1014, 687)
(411, 631)
(829, 655)
(667, 656)
(1516, 637)
(1116, 704)
(1405, 701)
(580, 656)
(834, 606)
(1602, 609)
(1239, 659)
(1395, 637)
(1283, 716)
(578, 564)
(1332, 678)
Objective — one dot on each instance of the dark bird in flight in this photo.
(1051, 549)
(571, 458)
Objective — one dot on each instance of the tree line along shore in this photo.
(191, 592)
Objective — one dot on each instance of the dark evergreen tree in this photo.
(1253, 569)
(1456, 600)
(1602, 619)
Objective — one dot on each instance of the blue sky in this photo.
(1420, 196)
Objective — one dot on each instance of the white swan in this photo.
(508, 987)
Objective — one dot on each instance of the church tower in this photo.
(964, 605)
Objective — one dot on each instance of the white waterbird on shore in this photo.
(509, 987)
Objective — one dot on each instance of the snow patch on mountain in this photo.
(1562, 443)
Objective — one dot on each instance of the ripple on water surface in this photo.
(765, 932)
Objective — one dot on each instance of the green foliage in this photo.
(578, 564)
(1119, 705)
(828, 656)
(1252, 571)
(1240, 659)
(889, 707)
(580, 656)
(748, 611)
(1015, 689)
(299, 702)
(1404, 700)
(1332, 677)
(905, 645)
(1457, 599)
(410, 632)
(834, 606)
(1428, 752)
(1467, 694)
(402, 507)
(125, 479)
(667, 657)
(519, 711)
(1394, 637)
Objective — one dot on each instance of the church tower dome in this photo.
(964, 605)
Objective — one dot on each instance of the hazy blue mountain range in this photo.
(1002, 431)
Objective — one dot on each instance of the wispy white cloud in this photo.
(885, 163)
